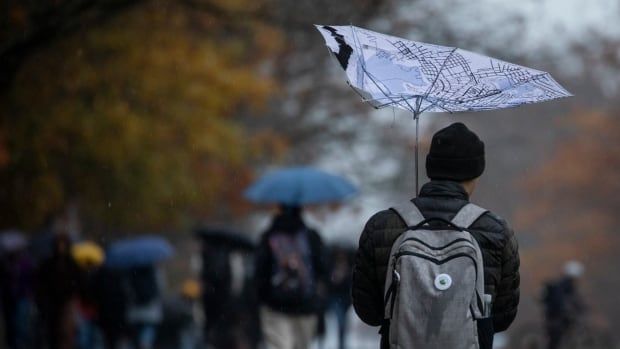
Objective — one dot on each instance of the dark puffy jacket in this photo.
(438, 199)
(290, 221)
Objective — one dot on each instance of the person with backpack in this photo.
(438, 271)
(291, 277)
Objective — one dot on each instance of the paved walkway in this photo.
(360, 336)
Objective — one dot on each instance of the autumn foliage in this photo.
(136, 120)
(573, 207)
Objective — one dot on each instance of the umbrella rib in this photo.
(360, 56)
(419, 102)
(443, 65)
(416, 110)
(360, 59)
(377, 83)
(392, 101)
(364, 99)
(434, 104)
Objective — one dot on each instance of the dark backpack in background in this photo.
(292, 278)
(216, 272)
(143, 284)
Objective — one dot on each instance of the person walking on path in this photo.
(291, 273)
(454, 163)
(16, 294)
(340, 289)
(58, 283)
(564, 306)
(112, 297)
(145, 306)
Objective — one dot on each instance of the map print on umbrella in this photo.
(390, 71)
(395, 76)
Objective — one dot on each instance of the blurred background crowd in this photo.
(59, 291)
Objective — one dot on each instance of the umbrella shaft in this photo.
(416, 117)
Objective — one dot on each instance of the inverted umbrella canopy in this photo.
(140, 251)
(300, 186)
(388, 71)
(416, 76)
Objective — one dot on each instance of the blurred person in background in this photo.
(16, 295)
(179, 328)
(563, 304)
(89, 257)
(340, 289)
(291, 273)
(216, 286)
(145, 307)
(112, 291)
(229, 289)
(242, 310)
(58, 281)
(189, 334)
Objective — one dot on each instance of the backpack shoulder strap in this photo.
(464, 219)
(468, 215)
(409, 212)
(412, 216)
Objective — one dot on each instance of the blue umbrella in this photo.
(140, 251)
(300, 186)
(12, 240)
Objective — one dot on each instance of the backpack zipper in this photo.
(435, 260)
(434, 247)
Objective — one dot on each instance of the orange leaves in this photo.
(584, 164)
(18, 16)
(274, 144)
(267, 40)
(573, 202)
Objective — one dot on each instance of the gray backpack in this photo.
(434, 287)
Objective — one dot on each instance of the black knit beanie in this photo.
(456, 154)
